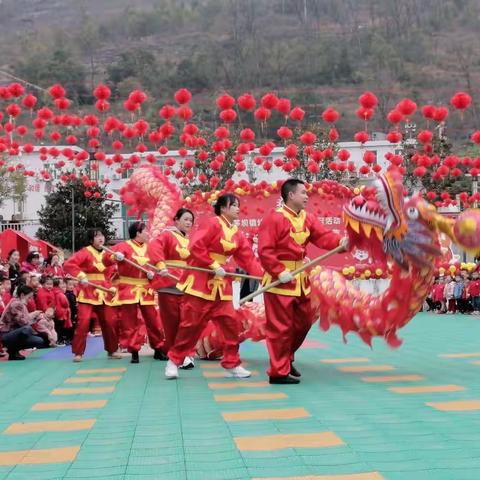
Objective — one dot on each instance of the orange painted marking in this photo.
(217, 365)
(295, 440)
(278, 414)
(366, 368)
(113, 378)
(428, 389)
(82, 390)
(245, 397)
(221, 374)
(393, 378)
(351, 476)
(84, 371)
(240, 384)
(34, 457)
(460, 355)
(346, 360)
(53, 426)
(70, 405)
(456, 406)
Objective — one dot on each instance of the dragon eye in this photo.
(412, 213)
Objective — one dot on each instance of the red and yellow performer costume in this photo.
(209, 297)
(135, 296)
(282, 241)
(96, 267)
(170, 246)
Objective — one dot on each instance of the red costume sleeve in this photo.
(73, 266)
(267, 245)
(321, 236)
(246, 259)
(157, 250)
(199, 245)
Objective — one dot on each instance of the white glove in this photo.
(119, 256)
(344, 242)
(83, 281)
(285, 277)
(164, 272)
(220, 272)
(150, 275)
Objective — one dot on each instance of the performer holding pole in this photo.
(209, 297)
(283, 237)
(170, 248)
(92, 267)
(136, 295)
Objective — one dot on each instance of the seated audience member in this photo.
(16, 332)
(44, 326)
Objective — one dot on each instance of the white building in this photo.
(23, 214)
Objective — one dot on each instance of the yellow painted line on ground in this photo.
(268, 414)
(84, 371)
(476, 362)
(113, 378)
(346, 360)
(428, 389)
(393, 378)
(35, 457)
(460, 355)
(80, 405)
(365, 368)
(351, 476)
(292, 440)
(245, 397)
(82, 390)
(456, 406)
(240, 384)
(217, 365)
(221, 374)
(53, 426)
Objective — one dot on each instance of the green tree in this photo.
(59, 66)
(56, 215)
(12, 185)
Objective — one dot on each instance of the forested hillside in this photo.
(318, 52)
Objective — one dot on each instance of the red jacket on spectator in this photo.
(45, 299)
(474, 288)
(54, 271)
(437, 292)
(62, 307)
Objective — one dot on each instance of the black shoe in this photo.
(188, 366)
(294, 372)
(159, 355)
(15, 356)
(284, 380)
(135, 358)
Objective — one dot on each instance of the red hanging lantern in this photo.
(406, 107)
(269, 101)
(16, 90)
(225, 102)
(365, 114)
(394, 117)
(284, 106)
(330, 115)
(361, 137)
(297, 114)
(262, 114)
(183, 96)
(56, 91)
(368, 100)
(461, 100)
(247, 102)
(440, 114)
(29, 101)
(102, 92)
(425, 136)
(185, 113)
(228, 116)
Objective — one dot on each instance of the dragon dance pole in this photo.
(139, 267)
(212, 272)
(310, 264)
(94, 285)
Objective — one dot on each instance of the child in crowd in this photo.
(458, 294)
(45, 296)
(473, 291)
(448, 293)
(438, 297)
(63, 322)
